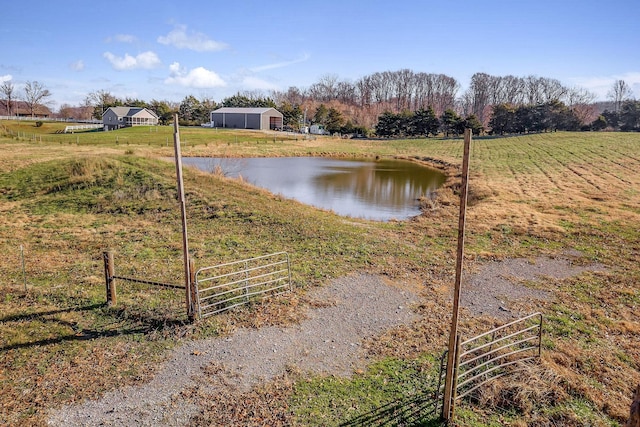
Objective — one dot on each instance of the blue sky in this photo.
(166, 50)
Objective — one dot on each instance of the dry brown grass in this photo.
(265, 405)
(531, 196)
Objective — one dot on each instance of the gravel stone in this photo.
(493, 290)
(327, 341)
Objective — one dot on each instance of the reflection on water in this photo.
(379, 190)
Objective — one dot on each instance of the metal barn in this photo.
(247, 118)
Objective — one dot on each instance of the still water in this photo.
(372, 189)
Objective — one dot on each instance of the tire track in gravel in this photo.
(328, 341)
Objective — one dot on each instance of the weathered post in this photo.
(449, 384)
(183, 212)
(109, 273)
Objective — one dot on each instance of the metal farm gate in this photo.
(224, 286)
(491, 355)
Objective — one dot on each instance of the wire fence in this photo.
(164, 300)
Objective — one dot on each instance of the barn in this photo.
(247, 118)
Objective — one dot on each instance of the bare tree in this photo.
(480, 94)
(326, 89)
(445, 91)
(577, 96)
(100, 100)
(552, 90)
(365, 91)
(346, 92)
(533, 90)
(580, 101)
(513, 89)
(403, 84)
(6, 89)
(35, 95)
(619, 93)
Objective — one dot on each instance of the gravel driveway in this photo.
(328, 340)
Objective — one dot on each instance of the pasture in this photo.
(66, 198)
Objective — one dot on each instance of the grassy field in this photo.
(66, 198)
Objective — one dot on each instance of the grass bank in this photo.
(65, 201)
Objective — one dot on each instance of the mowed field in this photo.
(64, 199)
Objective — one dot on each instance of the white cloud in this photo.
(125, 38)
(6, 78)
(255, 83)
(77, 66)
(193, 41)
(122, 38)
(145, 60)
(601, 85)
(199, 78)
(303, 58)
(175, 68)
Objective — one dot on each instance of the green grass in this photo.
(154, 136)
(536, 195)
(391, 392)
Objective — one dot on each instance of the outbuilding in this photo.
(247, 118)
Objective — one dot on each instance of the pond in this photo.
(372, 189)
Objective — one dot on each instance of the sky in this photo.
(167, 50)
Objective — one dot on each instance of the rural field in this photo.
(64, 199)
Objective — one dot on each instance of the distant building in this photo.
(247, 118)
(21, 109)
(120, 117)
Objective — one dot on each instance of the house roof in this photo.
(240, 110)
(129, 111)
(22, 108)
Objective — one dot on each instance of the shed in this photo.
(120, 117)
(247, 118)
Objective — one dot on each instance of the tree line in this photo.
(390, 103)
(425, 123)
(625, 118)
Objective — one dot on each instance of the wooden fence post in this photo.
(109, 272)
(453, 334)
(183, 211)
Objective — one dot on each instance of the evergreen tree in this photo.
(387, 124)
(321, 114)
(599, 124)
(630, 116)
(405, 123)
(612, 118)
(432, 122)
(450, 123)
(292, 115)
(162, 110)
(202, 112)
(243, 101)
(188, 110)
(472, 122)
(334, 121)
(502, 117)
